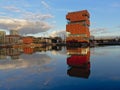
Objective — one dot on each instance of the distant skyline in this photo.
(47, 17)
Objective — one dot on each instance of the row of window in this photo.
(76, 35)
(83, 23)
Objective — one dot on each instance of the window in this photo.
(68, 22)
(68, 34)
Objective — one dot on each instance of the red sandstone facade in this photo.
(79, 62)
(78, 57)
(78, 27)
(27, 40)
(28, 50)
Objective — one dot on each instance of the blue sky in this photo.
(47, 17)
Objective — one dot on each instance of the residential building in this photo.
(12, 39)
(2, 37)
(40, 40)
(14, 32)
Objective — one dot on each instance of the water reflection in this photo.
(49, 68)
(78, 61)
(14, 58)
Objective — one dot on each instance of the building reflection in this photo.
(12, 58)
(14, 53)
(78, 61)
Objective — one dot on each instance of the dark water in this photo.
(60, 68)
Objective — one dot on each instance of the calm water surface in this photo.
(60, 68)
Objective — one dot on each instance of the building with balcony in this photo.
(77, 28)
(12, 39)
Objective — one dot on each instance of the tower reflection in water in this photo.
(78, 61)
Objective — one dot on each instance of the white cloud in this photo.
(27, 61)
(61, 33)
(118, 26)
(105, 32)
(45, 5)
(98, 30)
(32, 23)
(25, 26)
(62, 52)
(63, 9)
(2, 13)
(116, 4)
(27, 22)
(36, 16)
(12, 8)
